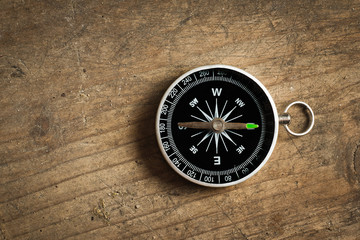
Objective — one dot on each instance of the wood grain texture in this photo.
(80, 82)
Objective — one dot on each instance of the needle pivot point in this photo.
(218, 125)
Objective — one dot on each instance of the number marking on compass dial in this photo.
(216, 125)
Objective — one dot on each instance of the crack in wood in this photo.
(356, 161)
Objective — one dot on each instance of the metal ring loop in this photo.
(312, 119)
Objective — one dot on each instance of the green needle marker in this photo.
(251, 126)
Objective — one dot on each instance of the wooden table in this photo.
(80, 82)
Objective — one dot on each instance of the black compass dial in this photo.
(216, 125)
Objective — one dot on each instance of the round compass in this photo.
(217, 125)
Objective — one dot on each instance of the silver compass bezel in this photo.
(209, 67)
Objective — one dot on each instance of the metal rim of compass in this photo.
(258, 83)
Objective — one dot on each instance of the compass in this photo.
(217, 125)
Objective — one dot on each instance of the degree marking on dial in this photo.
(237, 173)
(168, 101)
(203, 132)
(184, 167)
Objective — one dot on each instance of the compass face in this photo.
(216, 125)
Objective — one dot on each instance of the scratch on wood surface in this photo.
(356, 161)
(243, 236)
(297, 149)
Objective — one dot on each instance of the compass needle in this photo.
(217, 125)
(196, 125)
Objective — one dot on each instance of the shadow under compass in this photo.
(161, 174)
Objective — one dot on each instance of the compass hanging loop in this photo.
(285, 118)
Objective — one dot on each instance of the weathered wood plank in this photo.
(80, 83)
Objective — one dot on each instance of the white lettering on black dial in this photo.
(239, 102)
(193, 149)
(240, 149)
(217, 160)
(193, 102)
(216, 91)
